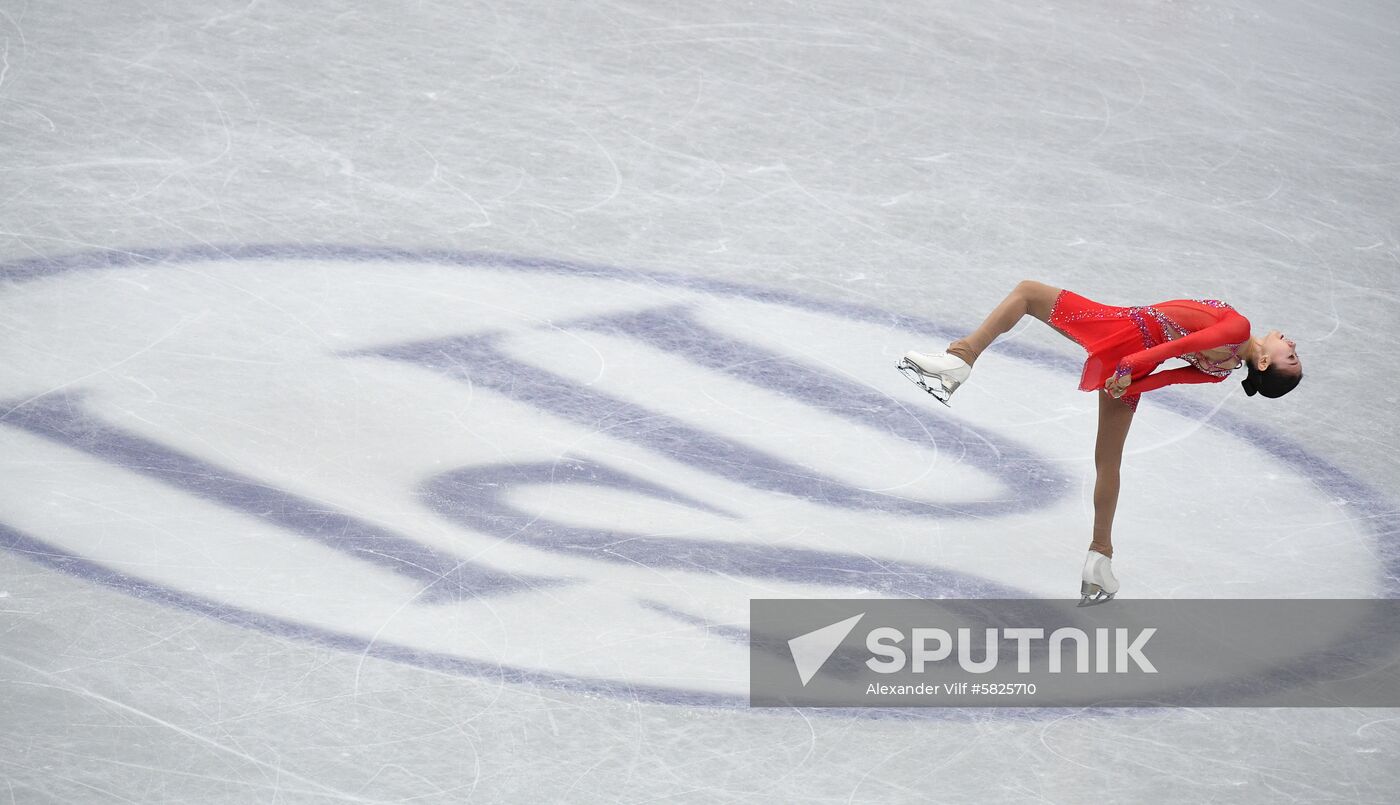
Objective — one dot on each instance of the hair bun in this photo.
(1250, 389)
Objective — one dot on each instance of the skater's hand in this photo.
(1116, 386)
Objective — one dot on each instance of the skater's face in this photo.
(1279, 350)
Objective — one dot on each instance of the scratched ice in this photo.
(404, 403)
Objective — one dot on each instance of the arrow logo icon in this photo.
(811, 651)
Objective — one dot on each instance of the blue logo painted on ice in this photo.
(537, 471)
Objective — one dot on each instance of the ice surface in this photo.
(403, 403)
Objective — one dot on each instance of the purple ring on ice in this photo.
(1374, 509)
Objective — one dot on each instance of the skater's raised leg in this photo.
(1028, 297)
(950, 369)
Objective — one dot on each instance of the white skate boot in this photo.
(1098, 584)
(949, 370)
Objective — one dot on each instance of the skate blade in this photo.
(916, 377)
(1092, 594)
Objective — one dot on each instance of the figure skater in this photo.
(1124, 344)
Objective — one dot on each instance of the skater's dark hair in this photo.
(1272, 382)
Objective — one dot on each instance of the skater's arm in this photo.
(1233, 329)
(1183, 374)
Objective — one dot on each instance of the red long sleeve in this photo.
(1181, 374)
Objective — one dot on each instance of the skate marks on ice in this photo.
(535, 470)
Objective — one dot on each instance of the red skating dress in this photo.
(1135, 340)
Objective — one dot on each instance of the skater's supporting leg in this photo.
(1029, 296)
(1115, 416)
